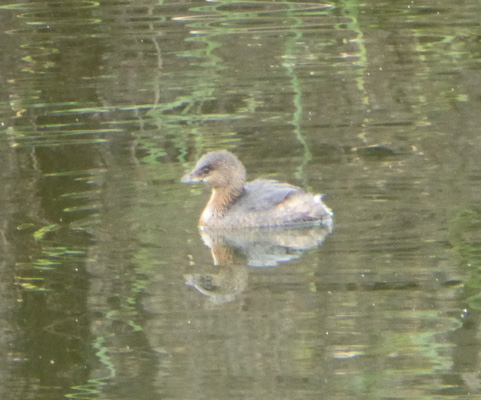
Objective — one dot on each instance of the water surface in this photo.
(109, 291)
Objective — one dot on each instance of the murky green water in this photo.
(108, 290)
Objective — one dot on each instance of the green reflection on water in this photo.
(213, 22)
(291, 46)
(42, 232)
(93, 388)
(350, 10)
(464, 233)
(46, 5)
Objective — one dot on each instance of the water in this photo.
(109, 291)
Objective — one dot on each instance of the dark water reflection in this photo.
(107, 288)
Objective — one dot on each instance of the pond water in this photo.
(108, 289)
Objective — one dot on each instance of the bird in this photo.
(237, 204)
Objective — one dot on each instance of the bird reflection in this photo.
(233, 251)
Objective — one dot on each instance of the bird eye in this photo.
(205, 171)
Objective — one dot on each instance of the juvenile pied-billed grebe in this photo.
(257, 204)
